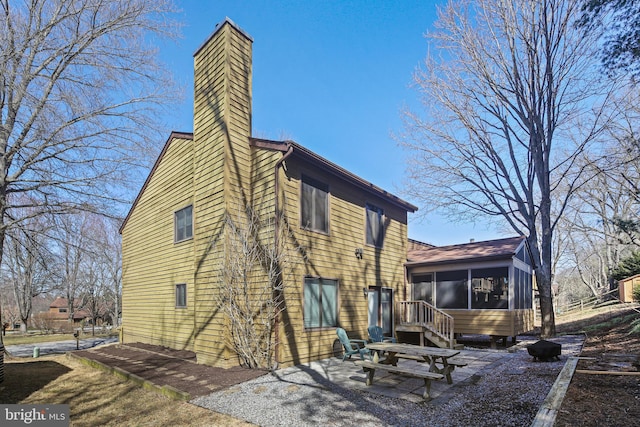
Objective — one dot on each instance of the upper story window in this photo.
(314, 205)
(184, 224)
(375, 225)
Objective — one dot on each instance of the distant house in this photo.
(59, 312)
(480, 287)
(346, 238)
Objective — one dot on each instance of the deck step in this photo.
(428, 335)
(441, 342)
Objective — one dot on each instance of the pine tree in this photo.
(628, 267)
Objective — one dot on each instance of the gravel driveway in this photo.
(497, 388)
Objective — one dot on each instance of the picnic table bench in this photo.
(439, 359)
(371, 367)
(420, 359)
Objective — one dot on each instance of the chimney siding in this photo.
(222, 162)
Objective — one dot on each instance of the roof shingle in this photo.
(490, 249)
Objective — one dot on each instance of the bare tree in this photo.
(571, 287)
(79, 90)
(597, 243)
(72, 243)
(109, 251)
(9, 308)
(593, 217)
(91, 299)
(101, 270)
(87, 248)
(26, 265)
(511, 100)
(258, 264)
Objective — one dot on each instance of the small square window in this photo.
(181, 295)
(184, 224)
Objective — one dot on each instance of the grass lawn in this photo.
(96, 398)
(594, 319)
(16, 338)
(13, 339)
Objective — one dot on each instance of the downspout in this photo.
(276, 242)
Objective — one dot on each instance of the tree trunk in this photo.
(546, 306)
(545, 275)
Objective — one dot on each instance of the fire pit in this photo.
(545, 350)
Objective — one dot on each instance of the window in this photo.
(181, 295)
(451, 289)
(314, 205)
(518, 294)
(184, 224)
(423, 288)
(522, 289)
(320, 302)
(375, 226)
(62, 310)
(490, 288)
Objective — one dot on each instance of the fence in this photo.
(610, 297)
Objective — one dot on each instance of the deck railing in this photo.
(423, 314)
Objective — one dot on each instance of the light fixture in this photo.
(359, 253)
(365, 292)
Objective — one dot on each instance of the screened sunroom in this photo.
(486, 287)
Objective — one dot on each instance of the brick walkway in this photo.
(162, 367)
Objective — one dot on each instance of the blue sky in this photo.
(331, 75)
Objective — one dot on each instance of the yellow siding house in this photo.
(343, 240)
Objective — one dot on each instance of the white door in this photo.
(373, 299)
(380, 302)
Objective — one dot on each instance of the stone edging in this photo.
(165, 390)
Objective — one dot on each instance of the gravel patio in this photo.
(497, 387)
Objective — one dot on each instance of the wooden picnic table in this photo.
(437, 358)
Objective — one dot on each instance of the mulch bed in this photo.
(165, 366)
(609, 399)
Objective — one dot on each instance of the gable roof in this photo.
(282, 146)
(174, 135)
(59, 302)
(474, 251)
(332, 168)
(626, 279)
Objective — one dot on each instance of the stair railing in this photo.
(429, 317)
